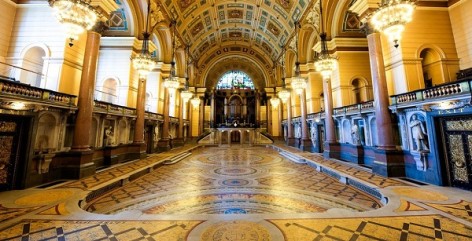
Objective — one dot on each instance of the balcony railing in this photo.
(112, 109)
(445, 91)
(22, 92)
(363, 107)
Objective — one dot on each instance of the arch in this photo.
(33, 60)
(360, 90)
(109, 90)
(431, 66)
(122, 131)
(147, 98)
(346, 131)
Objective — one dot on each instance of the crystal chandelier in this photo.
(274, 101)
(172, 82)
(284, 94)
(75, 15)
(325, 63)
(186, 94)
(195, 101)
(143, 62)
(298, 83)
(391, 18)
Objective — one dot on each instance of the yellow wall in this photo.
(430, 28)
(6, 24)
(461, 19)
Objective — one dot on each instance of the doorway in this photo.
(456, 143)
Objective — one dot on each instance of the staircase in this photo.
(293, 157)
(176, 158)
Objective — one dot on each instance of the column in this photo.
(331, 146)
(202, 116)
(290, 138)
(305, 142)
(258, 110)
(179, 141)
(138, 149)
(281, 116)
(78, 163)
(212, 109)
(190, 119)
(269, 117)
(388, 160)
(164, 142)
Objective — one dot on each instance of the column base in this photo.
(163, 145)
(178, 142)
(332, 150)
(306, 145)
(389, 163)
(291, 141)
(137, 151)
(75, 164)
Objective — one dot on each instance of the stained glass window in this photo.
(235, 79)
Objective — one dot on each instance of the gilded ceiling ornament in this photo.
(287, 4)
(313, 16)
(184, 4)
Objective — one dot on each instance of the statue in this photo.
(355, 135)
(418, 133)
(109, 136)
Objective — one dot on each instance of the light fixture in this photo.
(284, 93)
(172, 82)
(274, 101)
(391, 18)
(325, 63)
(75, 15)
(298, 83)
(186, 94)
(195, 101)
(143, 62)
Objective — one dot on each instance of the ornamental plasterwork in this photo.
(313, 17)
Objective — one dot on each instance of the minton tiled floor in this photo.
(242, 193)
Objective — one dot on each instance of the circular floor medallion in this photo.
(236, 231)
(235, 171)
(235, 182)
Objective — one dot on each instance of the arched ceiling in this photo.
(263, 25)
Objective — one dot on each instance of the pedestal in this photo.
(306, 145)
(163, 145)
(389, 163)
(291, 141)
(75, 164)
(137, 151)
(332, 150)
(110, 156)
(178, 142)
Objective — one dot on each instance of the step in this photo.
(293, 157)
(177, 158)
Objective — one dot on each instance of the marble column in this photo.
(201, 116)
(305, 141)
(258, 109)
(164, 142)
(78, 163)
(290, 138)
(212, 109)
(269, 117)
(388, 160)
(179, 141)
(138, 146)
(281, 116)
(331, 145)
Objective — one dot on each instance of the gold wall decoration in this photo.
(457, 161)
(6, 143)
(7, 126)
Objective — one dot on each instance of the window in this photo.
(235, 79)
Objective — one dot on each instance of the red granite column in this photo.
(164, 142)
(269, 116)
(201, 116)
(78, 162)
(212, 109)
(305, 142)
(388, 160)
(138, 148)
(179, 141)
(331, 146)
(290, 138)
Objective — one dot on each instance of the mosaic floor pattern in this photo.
(237, 194)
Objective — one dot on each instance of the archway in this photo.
(33, 64)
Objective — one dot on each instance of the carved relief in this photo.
(287, 4)
(184, 4)
(197, 28)
(273, 29)
(235, 13)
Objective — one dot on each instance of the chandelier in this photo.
(186, 94)
(75, 15)
(284, 94)
(325, 63)
(143, 62)
(195, 101)
(298, 83)
(274, 101)
(391, 18)
(172, 82)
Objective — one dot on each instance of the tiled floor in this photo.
(248, 193)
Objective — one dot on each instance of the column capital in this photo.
(99, 27)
